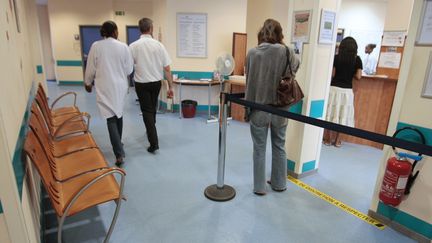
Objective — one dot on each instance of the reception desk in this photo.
(373, 98)
(373, 102)
(237, 111)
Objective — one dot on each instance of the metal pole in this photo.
(209, 100)
(180, 94)
(220, 191)
(222, 142)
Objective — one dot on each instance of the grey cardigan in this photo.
(265, 66)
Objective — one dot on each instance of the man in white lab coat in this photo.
(152, 63)
(108, 65)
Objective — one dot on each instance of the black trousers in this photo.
(115, 129)
(148, 94)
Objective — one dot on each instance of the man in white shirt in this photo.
(151, 62)
(109, 63)
(370, 62)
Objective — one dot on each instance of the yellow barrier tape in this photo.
(338, 204)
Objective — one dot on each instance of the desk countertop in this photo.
(378, 76)
(196, 82)
(237, 82)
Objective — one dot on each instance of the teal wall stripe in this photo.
(409, 221)
(213, 108)
(308, 166)
(1, 208)
(39, 69)
(412, 136)
(70, 82)
(69, 63)
(18, 160)
(317, 108)
(297, 108)
(290, 165)
(193, 75)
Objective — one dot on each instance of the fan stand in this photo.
(213, 119)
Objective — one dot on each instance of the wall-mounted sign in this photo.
(192, 35)
(301, 26)
(393, 38)
(424, 32)
(427, 85)
(327, 27)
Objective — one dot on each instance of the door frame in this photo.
(82, 43)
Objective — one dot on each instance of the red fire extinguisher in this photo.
(398, 177)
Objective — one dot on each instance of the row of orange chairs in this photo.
(73, 170)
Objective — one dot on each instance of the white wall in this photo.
(409, 107)
(46, 42)
(20, 54)
(4, 235)
(66, 17)
(260, 10)
(398, 15)
(223, 18)
(364, 21)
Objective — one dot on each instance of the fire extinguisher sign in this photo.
(338, 204)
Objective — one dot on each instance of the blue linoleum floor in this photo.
(165, 191)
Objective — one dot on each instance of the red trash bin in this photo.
(189, 108)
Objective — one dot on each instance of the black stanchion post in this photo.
(221, 192)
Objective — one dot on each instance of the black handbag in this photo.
(288, 91)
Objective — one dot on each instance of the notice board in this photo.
(192, 35)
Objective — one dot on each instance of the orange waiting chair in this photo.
(75, 194)
(62, 110)
(65, 146)
(72, 164)
(65, 125)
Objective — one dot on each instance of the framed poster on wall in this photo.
(192, 35)
(427, 85)
(424, 31)
(327, 27)
(301, 26)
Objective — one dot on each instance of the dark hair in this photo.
(347, 53)
(270, 32)
(371, 46)
(108, 29)
(145, 25)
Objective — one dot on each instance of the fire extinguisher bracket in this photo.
(410, 156)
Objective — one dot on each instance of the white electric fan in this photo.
(224, 66)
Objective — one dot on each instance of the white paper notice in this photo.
(327, 27)
(390, 60)
(393, 39)
(191, 35)
(424, 37)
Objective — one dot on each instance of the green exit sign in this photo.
(120, 13)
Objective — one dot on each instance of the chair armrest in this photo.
(64, 95)
(107, 171)
(71, 119)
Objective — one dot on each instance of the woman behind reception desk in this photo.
(340, 106)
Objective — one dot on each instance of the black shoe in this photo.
(152, 149)
(119, 162)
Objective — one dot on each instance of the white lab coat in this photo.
(109, 63)
(369, 64)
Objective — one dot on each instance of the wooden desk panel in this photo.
(373, 101)
(237, 111)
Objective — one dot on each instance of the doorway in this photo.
(132, 33)
(88, 35)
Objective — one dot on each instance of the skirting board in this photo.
(398, 227)
(302, 175)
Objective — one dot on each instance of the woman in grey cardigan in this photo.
(265, 65)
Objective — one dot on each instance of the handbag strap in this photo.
(287, 62)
